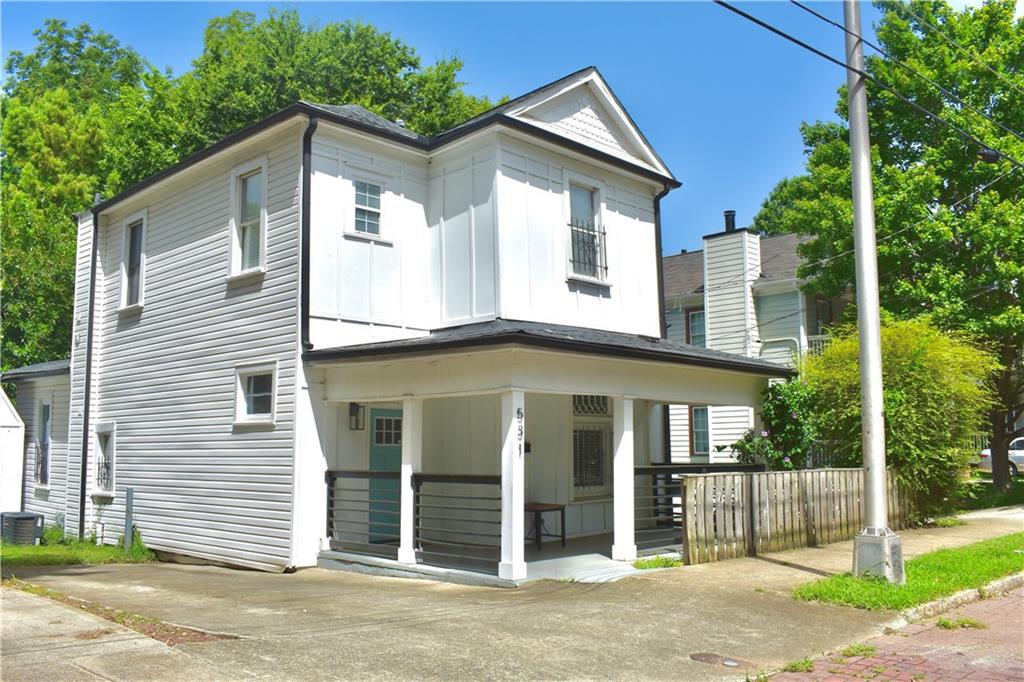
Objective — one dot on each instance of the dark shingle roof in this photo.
(40, 369)
(552, 336)
(362, 116)
(684, 272)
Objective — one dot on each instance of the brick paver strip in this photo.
(923, 652)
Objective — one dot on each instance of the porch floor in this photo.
(584, 560)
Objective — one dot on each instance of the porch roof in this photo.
(553, 337)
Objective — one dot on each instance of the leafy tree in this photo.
(935, 399)
(950, 227)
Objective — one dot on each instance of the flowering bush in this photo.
(787, 434)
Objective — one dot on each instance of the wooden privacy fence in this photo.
(731, 515)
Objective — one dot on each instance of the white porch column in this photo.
(412, 462)
(624, 544)
(513, 425)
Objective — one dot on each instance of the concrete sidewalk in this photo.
(317, 624)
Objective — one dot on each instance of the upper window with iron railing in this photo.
(586, 236)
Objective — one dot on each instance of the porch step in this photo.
(371, 565)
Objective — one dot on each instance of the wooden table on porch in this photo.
(538, 509)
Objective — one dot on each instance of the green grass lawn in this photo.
(929, 576)
(69, 552)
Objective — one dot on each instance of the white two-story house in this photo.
(739, 294)
(328, 336)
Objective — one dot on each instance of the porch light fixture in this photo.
(356, 417)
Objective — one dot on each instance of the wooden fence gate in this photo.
(731, 515)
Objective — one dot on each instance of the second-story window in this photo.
(586, 238)
(133, 262)
(250, 232)
(367, 208)
(695, 328)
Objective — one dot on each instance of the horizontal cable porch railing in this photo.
(363, 512)
(457, 520)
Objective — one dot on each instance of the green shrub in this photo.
(787, 434)
(936, 398)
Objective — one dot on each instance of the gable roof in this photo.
(40, 369)
(552, 337)
(684, 272)
(362, 120)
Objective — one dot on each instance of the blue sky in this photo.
(719, 98)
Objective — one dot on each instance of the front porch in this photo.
(431, 457)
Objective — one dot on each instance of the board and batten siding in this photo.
(48, 500)
(166, 380)
(534, 244)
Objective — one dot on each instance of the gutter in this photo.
(307, 192)
(83, 475)
(660, 265)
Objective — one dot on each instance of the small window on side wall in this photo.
(249, 219)
(587, 256)
(255, 388)
(44, 427)
(133, 261)
(104, 458)
(367, 208)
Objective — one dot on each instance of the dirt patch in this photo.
(167, 633)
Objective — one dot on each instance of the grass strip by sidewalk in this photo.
(70, 552)
(156, 629)
(929, 576)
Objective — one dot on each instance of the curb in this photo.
(953, 601)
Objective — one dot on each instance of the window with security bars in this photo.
(367, 208)
(105, 462)
(591, 445)
(586, 238)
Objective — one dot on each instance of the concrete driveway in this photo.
(317, 624)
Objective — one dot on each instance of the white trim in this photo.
(139, 216)
(243, 370)
(235, 270)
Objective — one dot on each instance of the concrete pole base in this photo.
(879, 552)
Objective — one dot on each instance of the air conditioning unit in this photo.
(22, 528)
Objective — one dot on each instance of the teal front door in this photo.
(385, 455)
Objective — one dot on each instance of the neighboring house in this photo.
(328, 336)
(740, 294)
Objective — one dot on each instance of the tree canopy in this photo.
(950, 226)
(83, 114)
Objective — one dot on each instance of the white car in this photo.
(1016, 457)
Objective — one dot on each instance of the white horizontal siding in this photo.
(47, 500)
(778, 324)
(166, 377)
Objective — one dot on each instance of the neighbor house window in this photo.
(591, 445)
(132, 273)
(586, 238)
(700, 432)
(367, 208)
(104, 459)
(249, 219)
(255, 401)
(695, 329)
(43, 438)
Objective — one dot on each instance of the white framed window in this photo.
(105, 445)
(133, 261)
(249, 218)
(44, 434)
(696, 331)
(591, 446)
(700, 432)
(367, 208)
(387, 431)
(256, 393)
(587, 252)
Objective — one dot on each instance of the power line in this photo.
(970, 53)
(864, 74)
(906, 67)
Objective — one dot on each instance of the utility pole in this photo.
(876, 549)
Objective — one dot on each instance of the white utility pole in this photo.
(876, 549)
